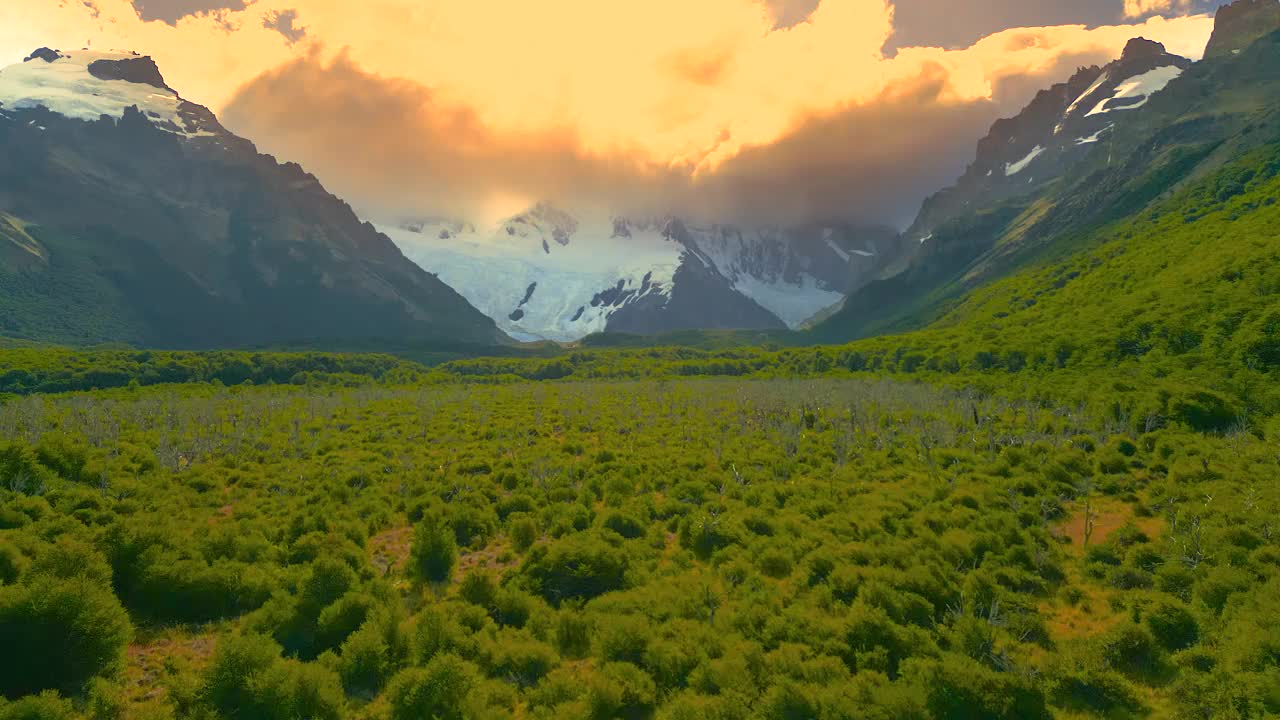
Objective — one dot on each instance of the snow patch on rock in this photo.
(1012, 169)
(65, 86)
(1140, 87)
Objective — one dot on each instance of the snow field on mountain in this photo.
(494, 268)
(66, 87)
(758, 266)
(1140, 86)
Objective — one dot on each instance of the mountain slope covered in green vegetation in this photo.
(1216, 112)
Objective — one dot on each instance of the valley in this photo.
(267, 454)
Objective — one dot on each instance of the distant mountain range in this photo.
(128, 214)
(547, 274)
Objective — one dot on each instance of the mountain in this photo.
(549, 274)
(1055, 131)
(129, 214)
(1239, 24)
(1043, 185)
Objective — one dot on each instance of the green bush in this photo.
(58, 634)
(434, 552)
(478, 588)
(523, 532)
(775, 563)
(12, 563)
(248, 680)
(521, 660)
(366, 660)
(620, 689)
(439, 691)
(1130, 648)
(581, 566)
(573, 633)
(625, 525)
(45, 706)
(1092, 689)
(1173, 625)
(959, 688)
(1221, 584)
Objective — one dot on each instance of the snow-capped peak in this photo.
(544, 273)
(550, 274)
(89, 84)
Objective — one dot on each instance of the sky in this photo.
(748, 111)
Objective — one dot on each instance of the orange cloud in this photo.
(672, 85)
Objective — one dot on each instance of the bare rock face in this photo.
(1242, 23)
(1057, 129)
(1140, 47)
(141, 70)
(46, 54)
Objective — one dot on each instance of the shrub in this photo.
(435, 633)
(958, 688)
(512, 607)
(522, 660)
(581, 566)
(45, 706)
(872, 641)
(21, 470)
(1176, 580)
(478, 588)
(625, 525)
(1204, 411)
(1173, 625)
(69, 558)
(190, 590)
(248, 680)
(573, 633)
(775, 564)
(366, 660)
(705, 535)
(437, 691)
(68, 631)
(620, 689)
(1090, 688)
(1130, 648)
(788, 700)
(433, 552)
(339, 620)
(1221, 584)
(12, 564)
(523, 532)
(625, 638)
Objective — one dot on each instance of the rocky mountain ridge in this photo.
(144, 221)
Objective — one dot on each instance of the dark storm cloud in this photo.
(171, 11)
(960, 23)
(392, 148)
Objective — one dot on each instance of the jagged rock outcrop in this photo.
(1240, 24)
(1058, 128)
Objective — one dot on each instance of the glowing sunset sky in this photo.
(784, 109)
